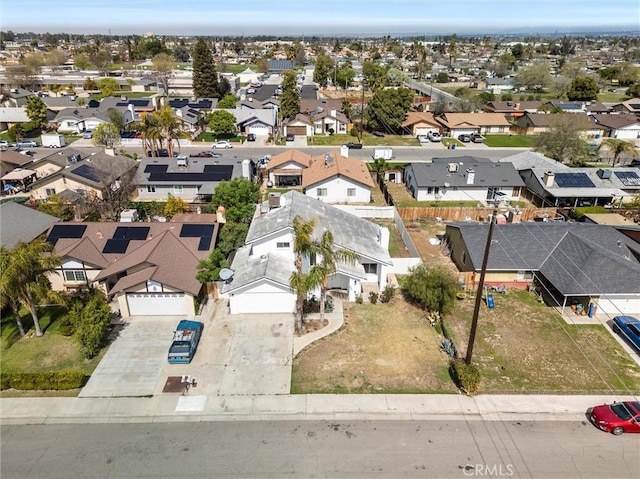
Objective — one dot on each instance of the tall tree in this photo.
(205, 76)
(163, 66)
(106, 135)
(239, 198)
(290, 98)
(534, 77)
(25, 273)
(388, 109)
(375, 76)
(221, 121)
(564, 141)
(330, 257)
(322, 70)
(209, 269)
(583, 89)
(617, 148)
(36, 111)
(303, 246)
(169, 128)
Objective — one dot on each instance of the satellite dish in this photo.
(226, 274)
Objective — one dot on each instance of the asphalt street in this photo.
(367, 449)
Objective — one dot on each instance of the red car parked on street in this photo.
(616, 418)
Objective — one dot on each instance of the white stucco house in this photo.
(262, 268)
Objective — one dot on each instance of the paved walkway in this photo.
(196, 408)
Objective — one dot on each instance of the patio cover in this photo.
(18, 174)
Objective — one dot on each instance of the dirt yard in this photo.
(524, 346)
(383, 348)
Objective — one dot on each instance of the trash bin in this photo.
(453, 146)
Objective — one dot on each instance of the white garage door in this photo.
(425, 130)
(262, 303)
(464, 132)
(156, 304)
(619, 305)
(627, 134)
(259, 130)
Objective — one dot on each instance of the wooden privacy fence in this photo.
(453, 213)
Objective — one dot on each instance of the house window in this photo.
(151, 188)
(501, 129)
(283, 244)
(178, 188)
(321, 192)
(312, 259)
(75, 276)
(50, 191)
(351, 192)
(370, 268)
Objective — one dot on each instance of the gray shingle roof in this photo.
(578, 258)
(249, 269)
(349, 231)
(487, 174)
(21, 223)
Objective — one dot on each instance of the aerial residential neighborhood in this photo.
(278, 235)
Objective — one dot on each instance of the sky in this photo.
(323, 17)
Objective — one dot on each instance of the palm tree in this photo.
(303, 245)
(150, 133)
(618, 147)
(303, 284)
(329, 264)
(169, 127)
(24, 275)
(7, 299)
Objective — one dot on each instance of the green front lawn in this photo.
(367, 140)
(51, 352)
(512, 141)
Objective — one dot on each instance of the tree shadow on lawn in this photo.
(50, 318)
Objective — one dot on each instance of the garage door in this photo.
(619, 305)
(627, 134)
(297, 130)
(262, 303)
(259, 130)
(464, 132)
(425, 130)
(156, 304)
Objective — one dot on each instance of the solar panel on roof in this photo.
(88, 172)
(628, 178)
(210, 173)
(205, 243)
(131, 232)
(196, 230)
(635, 106)
(117, 246)
(65, 231)
(574, 180)
(156, 168)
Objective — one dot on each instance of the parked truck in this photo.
(384, 153)
(185, 342)
(53, 140)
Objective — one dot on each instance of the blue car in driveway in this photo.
(629, 328)
(185, 342)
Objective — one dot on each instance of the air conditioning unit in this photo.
(453, 167)
(603, 173)
(182, 161)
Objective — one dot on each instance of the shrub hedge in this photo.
(55, 380)
(466, 376)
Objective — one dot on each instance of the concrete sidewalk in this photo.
(200, 408)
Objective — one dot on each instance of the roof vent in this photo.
(74, 158)
(263, 257)
(453, 167)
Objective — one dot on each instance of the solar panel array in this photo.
(88, 172)
(65, 231)
(628, 178)
(202, 231)
(210, 173)
(119, 242)
(574, 180)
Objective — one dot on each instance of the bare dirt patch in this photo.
(383, 348)
(524, 346)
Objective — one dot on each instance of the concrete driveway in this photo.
(244, 354)
(134, 362)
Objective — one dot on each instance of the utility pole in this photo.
(483, 270)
